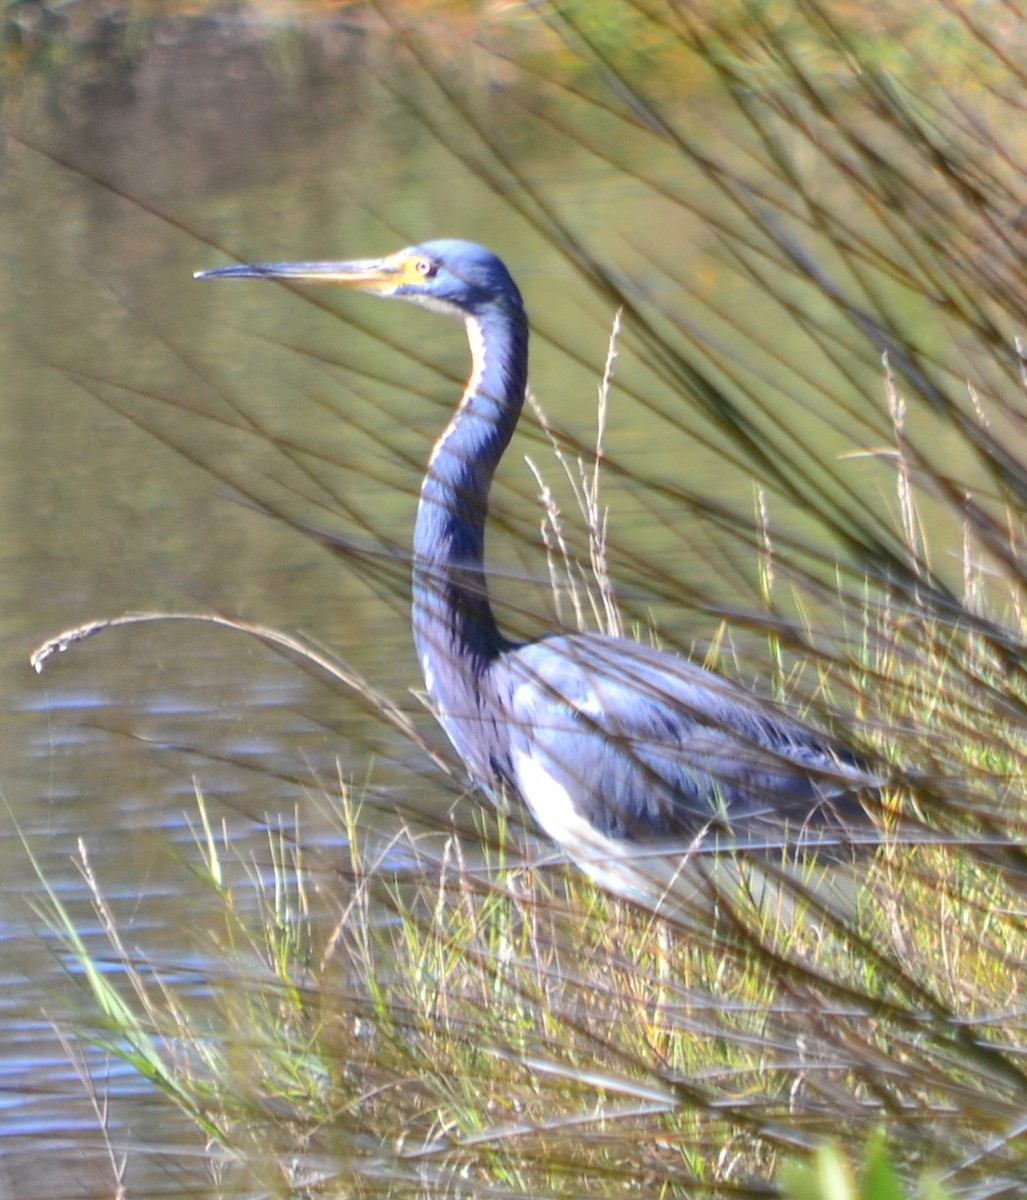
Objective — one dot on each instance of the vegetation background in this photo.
(810, 219)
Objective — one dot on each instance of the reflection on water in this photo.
(212, 142)
(105, 338)
(109, 744)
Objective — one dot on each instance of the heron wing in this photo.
(642, 744)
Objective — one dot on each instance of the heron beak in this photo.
(378, 275)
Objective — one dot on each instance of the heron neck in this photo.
(455, 631)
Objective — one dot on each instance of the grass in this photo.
(515, 1031)
(473, 1023)
(451, 1013)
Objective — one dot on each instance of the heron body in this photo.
(611, 744)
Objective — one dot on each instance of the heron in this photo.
(613, 746)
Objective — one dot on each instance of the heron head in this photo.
(448, 275)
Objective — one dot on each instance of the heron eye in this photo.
(425, 267)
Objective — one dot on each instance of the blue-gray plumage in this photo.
(607, 741)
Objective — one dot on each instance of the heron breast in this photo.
(551, 805)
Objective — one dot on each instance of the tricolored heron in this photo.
(609, 743)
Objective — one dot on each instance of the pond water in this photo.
(146, 420)
(125, 175)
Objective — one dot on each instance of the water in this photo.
(206, 136)
(145, 420)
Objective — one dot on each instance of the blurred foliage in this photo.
(828, 1175)
(516, 1030)
(43, 35)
